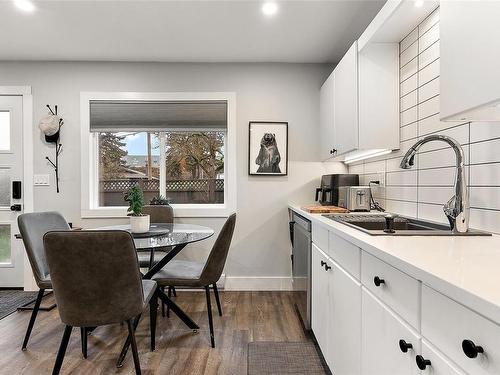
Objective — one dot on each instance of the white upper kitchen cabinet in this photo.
(470, 55)
(326, 118)
(345, 98)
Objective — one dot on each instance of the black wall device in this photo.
(16, 190)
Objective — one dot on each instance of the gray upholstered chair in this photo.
(32, 227)
(96, 281)
(197, 274)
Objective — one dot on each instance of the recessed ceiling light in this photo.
(269, 8)
(419, 3)
(25, 5)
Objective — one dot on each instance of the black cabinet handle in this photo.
(378, 281)
(333, 151)
(327, 267)
(422, 363)
(404, 346)
(323, 263)
(470, 349)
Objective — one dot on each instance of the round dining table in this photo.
(171, 238)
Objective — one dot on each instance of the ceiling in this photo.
(188, 31)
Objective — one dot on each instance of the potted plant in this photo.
(139, 222)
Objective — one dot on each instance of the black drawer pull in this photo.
(323, 263)
(470, 349)
(404, 346)
(422, 363)
(327, 267)
(378, 281)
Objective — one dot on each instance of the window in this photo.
(174, 148)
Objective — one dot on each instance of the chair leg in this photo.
(163, 304)
(133, 344)
(33, 317)
(153, 307)
(62, 350)
(216, 292)
(83, 332)
(169, 296)
(173, 291)
(210, 322)
(124, 351)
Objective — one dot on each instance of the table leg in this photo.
(178, 311)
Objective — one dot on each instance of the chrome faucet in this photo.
(457, 208)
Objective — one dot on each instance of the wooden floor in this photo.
(248, 316)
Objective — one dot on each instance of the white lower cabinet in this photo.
(336, 314)
(435, 362)
(382, 352)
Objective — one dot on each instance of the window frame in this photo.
(90, 159)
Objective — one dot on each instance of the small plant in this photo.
(160, 201)
(135, 199)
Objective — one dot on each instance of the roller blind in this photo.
(113, 116)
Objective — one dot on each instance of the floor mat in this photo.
(10, 300)
(283, 358)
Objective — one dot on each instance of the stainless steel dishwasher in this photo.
(300, 236)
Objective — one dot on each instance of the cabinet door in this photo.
(346, 102)
(319, 299)
(470, 74)
(382, 331)
(344, 345)
(326, 107)
(440, 365)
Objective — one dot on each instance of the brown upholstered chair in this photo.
(197, 274)
(96, 281)
(32, 227)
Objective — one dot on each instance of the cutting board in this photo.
(314, 209)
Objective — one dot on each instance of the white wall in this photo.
(275, 92)
(422, 191)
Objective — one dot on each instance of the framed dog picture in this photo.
(268, 148)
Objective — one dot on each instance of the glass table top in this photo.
(176, 234)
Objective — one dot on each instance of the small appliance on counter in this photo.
(328, 193)
(355, 198)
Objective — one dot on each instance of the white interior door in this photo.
(11, 169)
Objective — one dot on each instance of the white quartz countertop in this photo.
(466, 269)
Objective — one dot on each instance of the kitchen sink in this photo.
(375, 224)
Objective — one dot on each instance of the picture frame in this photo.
(268, 148)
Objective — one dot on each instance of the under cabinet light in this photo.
(362, 155)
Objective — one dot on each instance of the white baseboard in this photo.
(257, 283)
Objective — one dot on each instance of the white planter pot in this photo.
(139, 224)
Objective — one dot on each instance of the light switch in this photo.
(41, 180)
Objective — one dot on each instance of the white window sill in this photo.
(180, 210)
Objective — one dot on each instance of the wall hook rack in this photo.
(51, 126)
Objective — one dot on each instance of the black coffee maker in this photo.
(328, 193)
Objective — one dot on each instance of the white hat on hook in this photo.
(49, 125)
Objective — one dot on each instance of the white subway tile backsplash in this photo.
(440, 158)
(432, 212)
(409, 85)
(408, 70)
(437, 177)
(406, 193)
(408, 54)
(409, 132)
(430, 37)
(485, 175)
(485, 197)
(435, 194)
(485, 152)
(482, 131)
(428, 90)
(408, 101)
(428, 108)
(430, 72)
(401, 207)
(408, 116)
(429, 55)
(485, 219)
(429, 21)
(402, 178)
(423, 190)
(409, 39)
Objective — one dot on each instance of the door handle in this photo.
(15, 207)
(16, 190)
